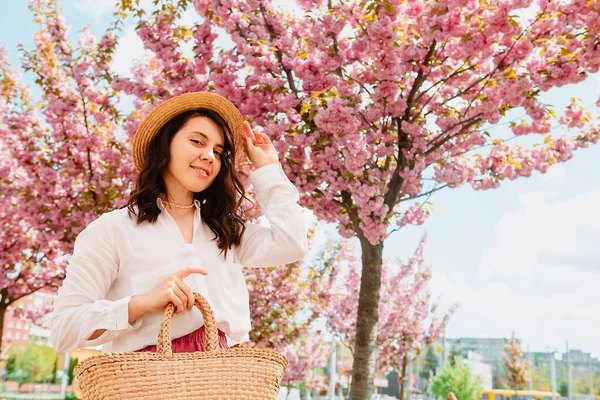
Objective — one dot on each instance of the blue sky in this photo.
(523, 258)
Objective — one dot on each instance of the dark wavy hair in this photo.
(221, 202)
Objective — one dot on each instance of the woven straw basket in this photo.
(236, 373)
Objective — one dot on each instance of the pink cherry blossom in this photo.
(373, 106)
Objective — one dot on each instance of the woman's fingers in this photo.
(260, 137)
(182, 296)
(175, 295)
(248, 132)
(247, 127)
(187, 292)
(190, 269)
(252, 134)
(265, 138)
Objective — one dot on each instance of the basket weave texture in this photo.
(235, 373)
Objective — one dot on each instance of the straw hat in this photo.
(168, 109)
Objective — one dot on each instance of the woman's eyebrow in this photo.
(206, 137)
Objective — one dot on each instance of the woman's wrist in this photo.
(137, 308)
(259, 165)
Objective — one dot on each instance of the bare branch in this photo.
(469, 123)
(428, 193)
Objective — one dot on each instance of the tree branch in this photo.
(395, 184)
(469, 122)
(279, 53)
(429, 193)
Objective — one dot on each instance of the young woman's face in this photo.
(196, 151)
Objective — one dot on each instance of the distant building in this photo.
(16, 331)
(490, 349)
(580, 359)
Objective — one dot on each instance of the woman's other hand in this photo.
(259, 148)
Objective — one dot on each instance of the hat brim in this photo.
(174, 106)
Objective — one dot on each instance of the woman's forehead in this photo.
(204, 126)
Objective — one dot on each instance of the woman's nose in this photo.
(208, 156)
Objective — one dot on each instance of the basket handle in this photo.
(164, 336)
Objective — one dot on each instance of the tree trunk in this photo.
(403, 378)
(3, 308)
(365, 350)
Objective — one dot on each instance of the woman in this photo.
(183, 231)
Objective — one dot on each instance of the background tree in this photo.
(429, 365)
(32, 363)
(62, 155)
(540, 377)
(317, 384)
(375, 105)
(11, 364)
(304, 357)
(582, 383)
(452, 355)
(283, 300)
(517, 368)
(563, 388)
(72, 364)
(457, 378)
(408, 319)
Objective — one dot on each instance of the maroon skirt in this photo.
(194, 341)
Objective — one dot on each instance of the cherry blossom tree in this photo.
(376, 104)
(63, 156)
(517, 368)
(408, 321)
(286, 302)
(304, 357)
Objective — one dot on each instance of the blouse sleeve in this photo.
(81, 308)
(285, 241)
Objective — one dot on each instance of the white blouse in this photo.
(114, 259)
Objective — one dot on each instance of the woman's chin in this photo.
(198, 187)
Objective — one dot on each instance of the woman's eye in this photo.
(198, 142)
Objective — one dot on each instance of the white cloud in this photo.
(527, 15)
(539, 279)
(95, 8)
(130, 50)
(190, 17)
(288, 6)
(555, 176)
(597, 77)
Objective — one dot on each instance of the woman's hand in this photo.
(259, 148)
(172, 289)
